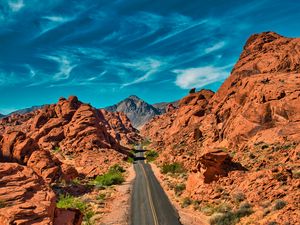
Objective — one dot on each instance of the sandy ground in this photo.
(188, 216)
(118, 210)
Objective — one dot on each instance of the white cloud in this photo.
(215, 47)
(149, 66)
(16, 5)
(58, 19)
(199, 77)
(65, 66)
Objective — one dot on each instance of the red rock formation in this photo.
(120, 127)
(67, 217)
(24, 197)
(254, 117)
(52, 143)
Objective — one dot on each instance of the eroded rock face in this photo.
(25, 198)
(67, 217)
(120, 127)
(254, 117)
(57, 142)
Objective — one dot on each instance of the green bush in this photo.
(71, 202)
(101, 197)
(88, 216)
(279, 204)
(172, 168)
(116, 169)
(130, 159)
(109, 179)
(146, 142)
(179, 188)
(151, 155)
(56, 149)
(76, 181)
(186, 202)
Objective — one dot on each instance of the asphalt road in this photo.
(150, 204)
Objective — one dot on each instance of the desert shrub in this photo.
(172, 168)
(108, 179)
(130, 159)
(2, 204)
(179, 188)
(146, 142)
(223, 208)
(245, 209)
(56, 149)
(272, 223)
(71, 202)
(196, 204)
(112, 177)
(151, 155)
(116, 169)
(186, 202)
(231, 217)
(264, 146)
(228, 218)
(208, 209)
(88, 217)
(101, 197)
(239, 197)
(279, 204)
(76, 181)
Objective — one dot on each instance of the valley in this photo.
(225, 157)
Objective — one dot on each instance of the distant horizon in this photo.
(105, 52)
(28, 107)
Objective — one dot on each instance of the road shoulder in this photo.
(187, 216)
(118, 212)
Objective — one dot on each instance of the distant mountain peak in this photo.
(137, 110)
(134, 97)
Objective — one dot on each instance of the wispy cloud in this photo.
(65, 66)
(148, 67)
(16, 5)
(215, 47)
(58, 19)
(201, 76)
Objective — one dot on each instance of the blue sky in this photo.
(104, 51)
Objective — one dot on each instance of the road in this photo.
(150, 204)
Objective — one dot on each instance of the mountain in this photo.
(242, 143)
(23, 111)
(27, 110)
(163, 106)
(137, 110)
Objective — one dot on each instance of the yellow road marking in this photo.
(150, 197)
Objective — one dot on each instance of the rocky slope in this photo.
(243, 142)
(138, 111)
(57, 142)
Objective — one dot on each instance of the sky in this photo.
(104, 51)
